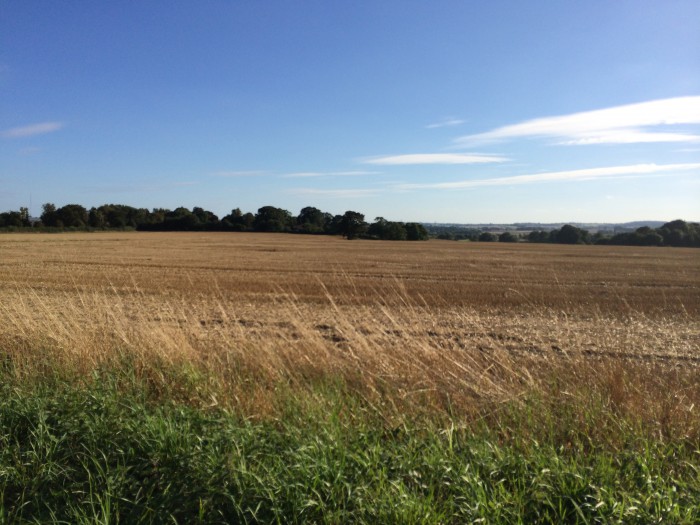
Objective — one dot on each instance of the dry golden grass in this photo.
(412, 328)
(258, 267)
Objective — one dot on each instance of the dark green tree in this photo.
(72, 216)
(352, 225)
(11, 219)
(416, 232)
(236, 221)
(333, 225)
(680, 233)
(96, 218)
(207, 219)
(538, 236)
(180, 219)
(157, 215)
(271, 219)
(24, 216)
(646, 236)
(487, 237)
(569, 234)
(507, 237)
(122, 216)
(48, 215)
(114, 215)
(376, 229)
(311, 220)
(395, 231)
(385, 230)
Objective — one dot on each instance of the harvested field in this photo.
(295, 379)
(259, 267)
(410, 325)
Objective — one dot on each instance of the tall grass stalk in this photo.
(118, 405)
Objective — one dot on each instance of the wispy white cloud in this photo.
(303, 175)
(626, 124)
(560, 176)
(32, 130)
(311, 174)
(335, 193)
(630, 136)
(434, 158)
(446, 122)
(244, 173)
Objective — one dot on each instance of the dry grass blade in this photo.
(412, 330)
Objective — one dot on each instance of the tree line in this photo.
(310, 220)
(675, 233)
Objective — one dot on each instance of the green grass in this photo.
(103, 453)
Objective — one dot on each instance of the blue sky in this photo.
(498, 111)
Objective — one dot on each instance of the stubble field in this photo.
(580, 347)
(444, 322)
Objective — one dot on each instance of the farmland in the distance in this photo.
(258, 267)
(589, 350)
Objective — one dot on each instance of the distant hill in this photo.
(634, 233)
(639, 224)
(529, 226)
